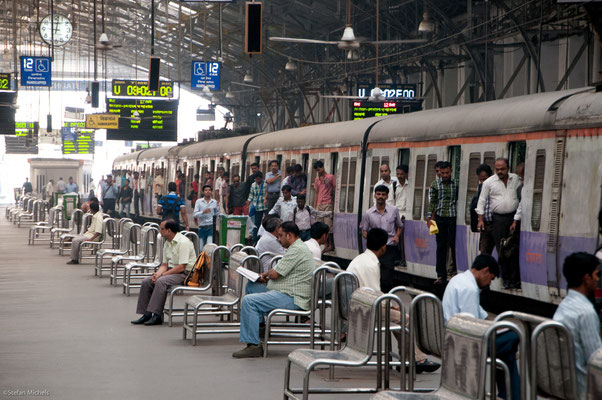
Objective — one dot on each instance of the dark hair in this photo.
(297, 168)
(94, 206)
(404, 168)
(376, 239)
(576, 266)
(318, 164)
(93, 199)
(127, 180)
(290, 227)
(255, 164)
(381, 189)
(171, 187)
(301, 197)
(286, 188)
(484, 168)
(318, 229)
(445, 165)
(483, 261)
(206, 186)
(171, 225)
(258, 174)
(196, 176)
(504, 160)
(270, 224)
(438, 164)
(274, 161)
(226, 175)
(289, 169)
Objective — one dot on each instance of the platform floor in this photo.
(67, 334)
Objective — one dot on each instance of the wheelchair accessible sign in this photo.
(36, 71)
(206, 74)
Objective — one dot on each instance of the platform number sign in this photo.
(36, 71)
(4, 81)
(206, 74)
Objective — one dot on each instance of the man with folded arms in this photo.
(178, 259)
(288, 286)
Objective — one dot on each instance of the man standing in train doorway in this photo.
(158, 183)
(386, 217)
(273, 180)
(389, 181)
(443, 195)
(325, 184)
(501, 191)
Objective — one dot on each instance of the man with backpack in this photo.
(172, 206)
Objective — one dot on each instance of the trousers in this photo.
(256, 305)
(387, 266)
(76, 244)
(509, 266)
(446, 239)
(152, 295)
(486, 241)
(506, 345)
(205, 235)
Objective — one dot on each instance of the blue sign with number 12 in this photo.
(206, 74)
(36, 71)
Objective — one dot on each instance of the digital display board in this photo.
(24, 139)
(144, 119)
(210, 79)
(7, 113)
(367, 109)
(36, 71)
(4, 81)
(388, 90)
(130, 88)
(77, 139)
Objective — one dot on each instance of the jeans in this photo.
(136, 202)
(125, 206)
(256, 306)
(446, 238)
(109, 206)
(205, 235)
(506, 345)
(257, 218)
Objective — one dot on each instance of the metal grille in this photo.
(540, 164)
(489, 158)
(430, 177)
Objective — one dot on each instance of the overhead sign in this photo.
(206, 74)
(389, 91)
(74, 113)
(366, 109)
(36, 71)
(4, 81)
(102, 121)
(77, 139)
(205, 115)
(24, 139)
(144, 119)
(131, 88)
(7, 113)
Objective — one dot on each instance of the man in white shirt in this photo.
(285, 206)
(577, 312)
(401, 202)
(462, 295)
(50, 191)
(217, 188)
(60, 185)
(389, 181)
(501, 191)
(93, 234)
(304, 216)
(319, 236)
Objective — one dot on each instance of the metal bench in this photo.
(73, 225)
(142, 241)
(65, 238)
(45, 227)
(594, 376)
(123, 248)
(139, 270)
(93, 246)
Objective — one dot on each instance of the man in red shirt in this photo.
(325, 185)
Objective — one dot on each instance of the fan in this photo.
(105, 44)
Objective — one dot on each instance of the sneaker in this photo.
(252, 350)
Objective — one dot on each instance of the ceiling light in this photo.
(348, 35)
(426, 25)
(88, 99)
(290, 65)
(248, 77)
(353, 55)
(104, 39)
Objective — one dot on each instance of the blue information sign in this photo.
(36, 71)
(210, 79)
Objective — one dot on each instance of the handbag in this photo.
(252, 210)
(196, 275)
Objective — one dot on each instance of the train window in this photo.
(455, 158)
(228, 166)
(212, 170)
(287, 164)
(374, 173)
(351, 192)
(247, 171)
(418, 187)
(517, 152)
(473, 182)
(334, 160)
(403, 158)
(430, 177)
(305, 161)
(344, 180)
(293, 162)
(489, 159)
(279, 159)
(540, 165)
(264, 168)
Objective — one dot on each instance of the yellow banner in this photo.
(102, 121)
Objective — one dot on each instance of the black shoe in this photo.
(440, 281)
(73, 262)
(515, 285)
(142, 319)
(427, 365)
(507, 285)
(155, 320)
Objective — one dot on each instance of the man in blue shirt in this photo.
(71, 187)
(172, 206)
(273, 180)
(108, 194)
(204, 209)
(577, 312)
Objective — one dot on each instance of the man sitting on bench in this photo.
(93, 234)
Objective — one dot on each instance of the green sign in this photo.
(4, 81)
(130, 88)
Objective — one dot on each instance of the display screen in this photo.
(77, 139)
(130, 88)
(367, 109)
(4, 81)
(24, 139)
(404, 91)
(144, 119)
(7, 113)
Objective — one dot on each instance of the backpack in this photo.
(171, 208)
(196, 276)
(474, 217)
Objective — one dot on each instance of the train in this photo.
(557, 135)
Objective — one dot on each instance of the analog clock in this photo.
(62, 29)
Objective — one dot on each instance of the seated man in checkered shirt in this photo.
(288, 286)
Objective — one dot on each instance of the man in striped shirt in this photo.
(288, 286)
(257, 201)
(442, 208)
(577, 313)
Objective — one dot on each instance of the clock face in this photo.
(62, 29)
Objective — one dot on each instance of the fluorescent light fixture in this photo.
(229, 95)
(104, 39)
(248, 78)
(426, 25)
(290, 65)
(185, 10)
(348, 35)
(138, 67)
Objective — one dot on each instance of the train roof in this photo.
(217, 147)
(513, 115)
(347, 133)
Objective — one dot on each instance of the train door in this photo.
(311, 176)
